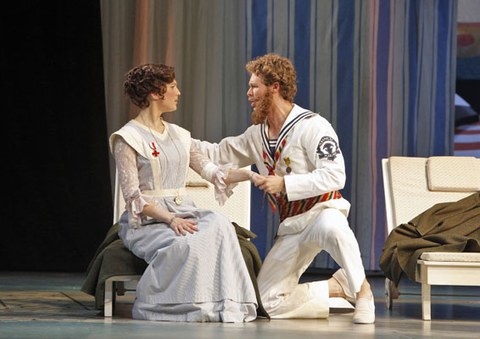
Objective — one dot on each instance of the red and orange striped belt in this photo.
(291, 208)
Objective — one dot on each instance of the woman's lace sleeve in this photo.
(135, 201)
(212, 173)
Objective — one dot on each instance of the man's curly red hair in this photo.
(274, 68)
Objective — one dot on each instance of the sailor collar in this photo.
(296, 115)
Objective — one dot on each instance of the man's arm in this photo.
(235, 150)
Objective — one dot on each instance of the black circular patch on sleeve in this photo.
(327, 148)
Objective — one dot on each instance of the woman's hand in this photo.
(255, 177)
(182, 226)
(179, 225)
(271, 184)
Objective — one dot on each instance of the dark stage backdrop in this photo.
(57, 185)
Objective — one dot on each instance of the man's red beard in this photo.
(260, 113)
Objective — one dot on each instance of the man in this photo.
(302, 170)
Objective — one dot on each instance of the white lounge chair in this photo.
(412, 185)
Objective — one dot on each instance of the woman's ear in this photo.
(156, 96)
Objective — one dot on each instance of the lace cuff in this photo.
(135, 207)
(212, 173)
(223, 191)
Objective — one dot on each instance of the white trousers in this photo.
(290, 256)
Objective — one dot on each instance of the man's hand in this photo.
(271, 184)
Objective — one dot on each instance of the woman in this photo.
(196, 271)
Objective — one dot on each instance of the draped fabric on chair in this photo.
(382, 72)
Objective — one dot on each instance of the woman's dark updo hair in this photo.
(146, 79)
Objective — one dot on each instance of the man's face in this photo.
(256, 91)
(260, 98)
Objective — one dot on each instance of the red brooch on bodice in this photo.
(155, 152)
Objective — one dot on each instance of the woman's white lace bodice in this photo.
(136, 175)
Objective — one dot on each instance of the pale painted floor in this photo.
(50, 305)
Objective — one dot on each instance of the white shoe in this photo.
(364, 311)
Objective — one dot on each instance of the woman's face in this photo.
(170, 100)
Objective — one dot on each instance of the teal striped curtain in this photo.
(382, 72)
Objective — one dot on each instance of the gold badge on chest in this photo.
(287, 162)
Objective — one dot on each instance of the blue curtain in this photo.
(382, 72)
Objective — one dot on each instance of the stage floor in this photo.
(51, 305)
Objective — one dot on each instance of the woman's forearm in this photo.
(157, 213)
(238, 175)
(179, 225)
